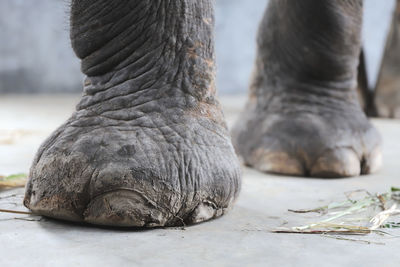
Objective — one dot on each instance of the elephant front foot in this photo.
(159, 167)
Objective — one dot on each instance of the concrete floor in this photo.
(241, 238)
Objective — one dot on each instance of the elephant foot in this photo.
(387, 97)
(387, 94)
(295, 133)
(148, 145)
(303, 116)
(142, 165)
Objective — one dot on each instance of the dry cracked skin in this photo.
(147, 145)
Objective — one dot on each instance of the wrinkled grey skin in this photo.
(303, 117)
(147, 145)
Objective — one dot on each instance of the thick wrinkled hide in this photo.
(147, 145)
(303, 116)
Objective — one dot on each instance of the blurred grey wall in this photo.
(36, 56)
(35, 52)
(236, 27)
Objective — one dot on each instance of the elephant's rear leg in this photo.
(303, 117)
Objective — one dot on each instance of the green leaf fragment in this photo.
(14, 177)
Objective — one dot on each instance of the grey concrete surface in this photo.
(241, 238)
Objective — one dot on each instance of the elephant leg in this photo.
(387, 95)
(147, 145)
(303, 117)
